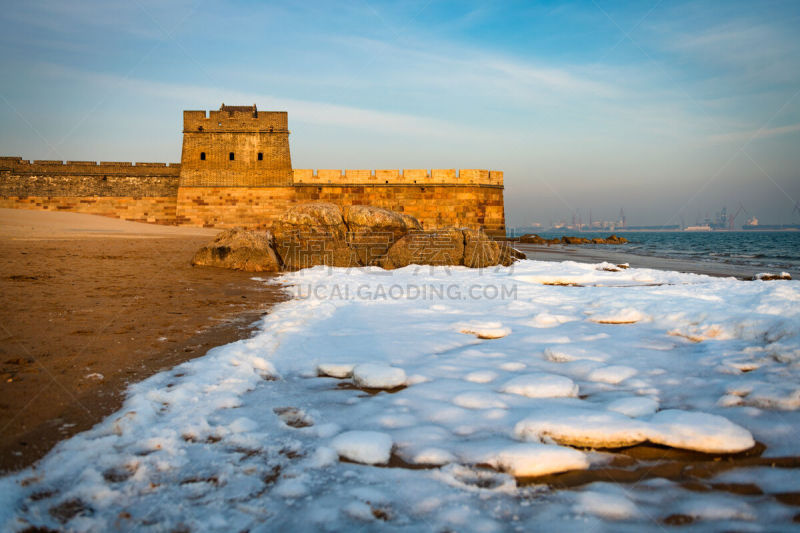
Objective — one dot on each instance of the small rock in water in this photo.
(532, 459)
(541, 385)
(376, 376)
(768, 276)
(368, 447)
(335, 370)
(700, 432)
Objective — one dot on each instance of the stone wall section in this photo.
(150, 209)
(435, 206)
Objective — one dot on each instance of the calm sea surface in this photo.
(766, 250)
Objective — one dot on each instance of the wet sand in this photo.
(583, 254)
(92, 304)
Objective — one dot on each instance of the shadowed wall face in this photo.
(235, 147)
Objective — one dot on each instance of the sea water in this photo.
(759, 250)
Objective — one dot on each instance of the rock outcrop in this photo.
(240, 249)
(322, 234)
(433, 247)
(373, 230)
(532, 238)
(313, 234)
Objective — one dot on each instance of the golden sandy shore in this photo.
(90, 304)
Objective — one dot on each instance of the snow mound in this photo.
(569, 354)
(634, 406)
(377, 376)
(627, 315)
(582, 427)
(782, 397)
(531, 459)
(485, 330)
(612, 374)
(433, 456)
(335, 370)
(547, 320)
(701, 432)
(479, 400)
(541, 385)
(368, 447)
(481, 376)
(605, 505)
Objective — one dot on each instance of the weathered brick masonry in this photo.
(236, 171)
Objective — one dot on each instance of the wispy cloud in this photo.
(763, 133)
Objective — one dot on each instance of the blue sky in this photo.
(669, 109)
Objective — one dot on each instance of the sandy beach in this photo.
(91, 304)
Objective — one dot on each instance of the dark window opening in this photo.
(105, 178)
(260, 156)
(202, 156)
(230, 156)
(387, 181)
(199, 128)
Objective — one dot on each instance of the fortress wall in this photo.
(150, 192)
(87, 178)
(144, 192)
(151, 209)
(435, 206)
(449, 176)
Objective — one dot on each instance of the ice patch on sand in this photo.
(582, 427)
(377, 376)
(627, 315)
(531, 459)
(701, 432)
(612, 374)
(368, 447)
(485, 330)
(335, 370)
(541, 385)
(634, 407)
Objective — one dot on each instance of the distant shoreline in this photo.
(583, 254)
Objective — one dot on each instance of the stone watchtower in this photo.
(237, 146)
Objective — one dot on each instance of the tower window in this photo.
(230, 156)
(199, 128)
(260, 156)
(202, 156)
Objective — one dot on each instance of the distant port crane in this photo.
(736, 214)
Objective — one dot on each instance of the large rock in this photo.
(313, 234)
(479, 250)
(532, 238)
(433, 247)
(574, 240)
(613, 239)
(372, 231)
(240, 249)
(412, 224)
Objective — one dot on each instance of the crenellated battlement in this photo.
(17, 165)
(229, 119)
(436, 176)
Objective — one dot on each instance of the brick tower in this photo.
(237, 146)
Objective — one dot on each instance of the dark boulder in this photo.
(240, 249)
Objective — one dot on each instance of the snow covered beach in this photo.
(434, 399)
